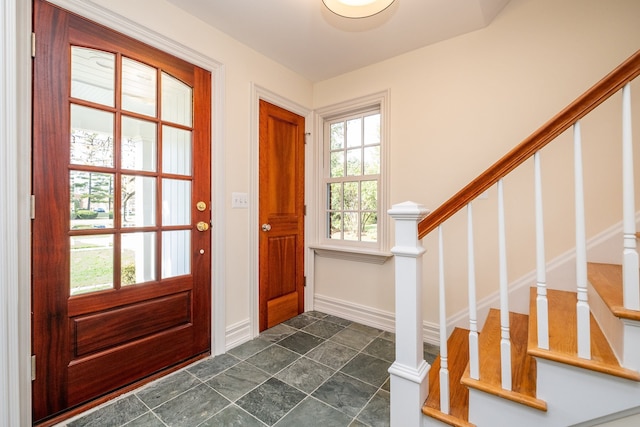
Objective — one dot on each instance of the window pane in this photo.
(176, 253)
(369, 231)
(138, 261)
(176, 202)
(369, 193)
(337, 136)
(91, 263)
(91, 137)
(372, 129)
(335, 225)
(350, 226)
(138, 87)
(93, 75)
(91, 200)
(372, 160)
(335, 196)
(354, 132)
(176, 101)
(351, 196)
(354, 162)
(138, 201)
(337, 164)
(176, 151)
(138, 144)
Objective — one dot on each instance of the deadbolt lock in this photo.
(201, 206)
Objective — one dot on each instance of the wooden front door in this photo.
(281, 215)
(121, 178)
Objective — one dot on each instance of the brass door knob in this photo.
(202, 226)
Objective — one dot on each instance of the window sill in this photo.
(352, 254)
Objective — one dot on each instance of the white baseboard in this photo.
(237, 334)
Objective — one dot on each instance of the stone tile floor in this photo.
(313, 370)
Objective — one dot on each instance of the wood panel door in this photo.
(281, 216)
(121, 176)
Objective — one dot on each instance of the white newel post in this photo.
(409, 372)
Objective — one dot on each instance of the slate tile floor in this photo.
(313, 370)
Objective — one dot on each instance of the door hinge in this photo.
(306, 137)
(304, 281)
(33, 367)
(304, 211)
(33, 45)
(32, 208)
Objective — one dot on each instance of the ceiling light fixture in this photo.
(357, 8)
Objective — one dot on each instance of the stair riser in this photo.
(488, 410)
(611, 326)
(631, 358)
(576, 395)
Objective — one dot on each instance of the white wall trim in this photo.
(257, 93)
(238, 333)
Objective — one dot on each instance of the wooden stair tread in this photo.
(523, 366)
(606, 279)
(458, 393)
(563, 341)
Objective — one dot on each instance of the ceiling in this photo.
(312, 41)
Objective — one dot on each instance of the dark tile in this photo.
(305, 374)
(166, 388)
(301, 342)
(232, 416)
(238, 380)
(352, 338)
(368, 330)
(344, 393)
(115, 414)
(323, 329)
(332, 354)
(212, 366)
(340, 321)
(301, 321)
(382, 349)
(249, 348)
(277, 333)
(376, 413)
(273, 359)
(147, 420)
(387, 385)
(271, 401)
(390, 336)
(367, 368)
(316, 314)
(431, 351)
(314, 412)
(357, 423)
(192, 407)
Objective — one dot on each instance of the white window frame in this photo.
(373, 252)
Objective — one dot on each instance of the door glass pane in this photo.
(93, 75)
(176, 202)
(176, 151)
(176, 253)
(91, 263)
(138, 261)
(177, 102)
(139, 145)
(139, 83)
(138, 201)
(91, 200)
(91, 136)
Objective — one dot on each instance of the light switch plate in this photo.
(239, 200)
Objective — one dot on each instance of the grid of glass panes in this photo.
(353, 166)
(101, 219)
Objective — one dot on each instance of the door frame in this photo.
(260, 93)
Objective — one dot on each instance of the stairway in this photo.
(551, 387)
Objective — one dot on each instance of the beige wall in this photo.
(457, 106)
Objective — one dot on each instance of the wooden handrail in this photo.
(579, 108)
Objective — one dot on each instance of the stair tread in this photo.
(523, 366)
(563, 341)
(459, 394)
(606, 279)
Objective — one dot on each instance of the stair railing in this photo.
(409, 381)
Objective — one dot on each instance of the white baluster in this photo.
(444, 363)
(541, 289)
(505, 336)
(630, 267)
(582, 306)
(474, 358)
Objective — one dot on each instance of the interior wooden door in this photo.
(281, 215)
(121, 179)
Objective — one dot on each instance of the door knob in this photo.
(266, 227)
(202, 226)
